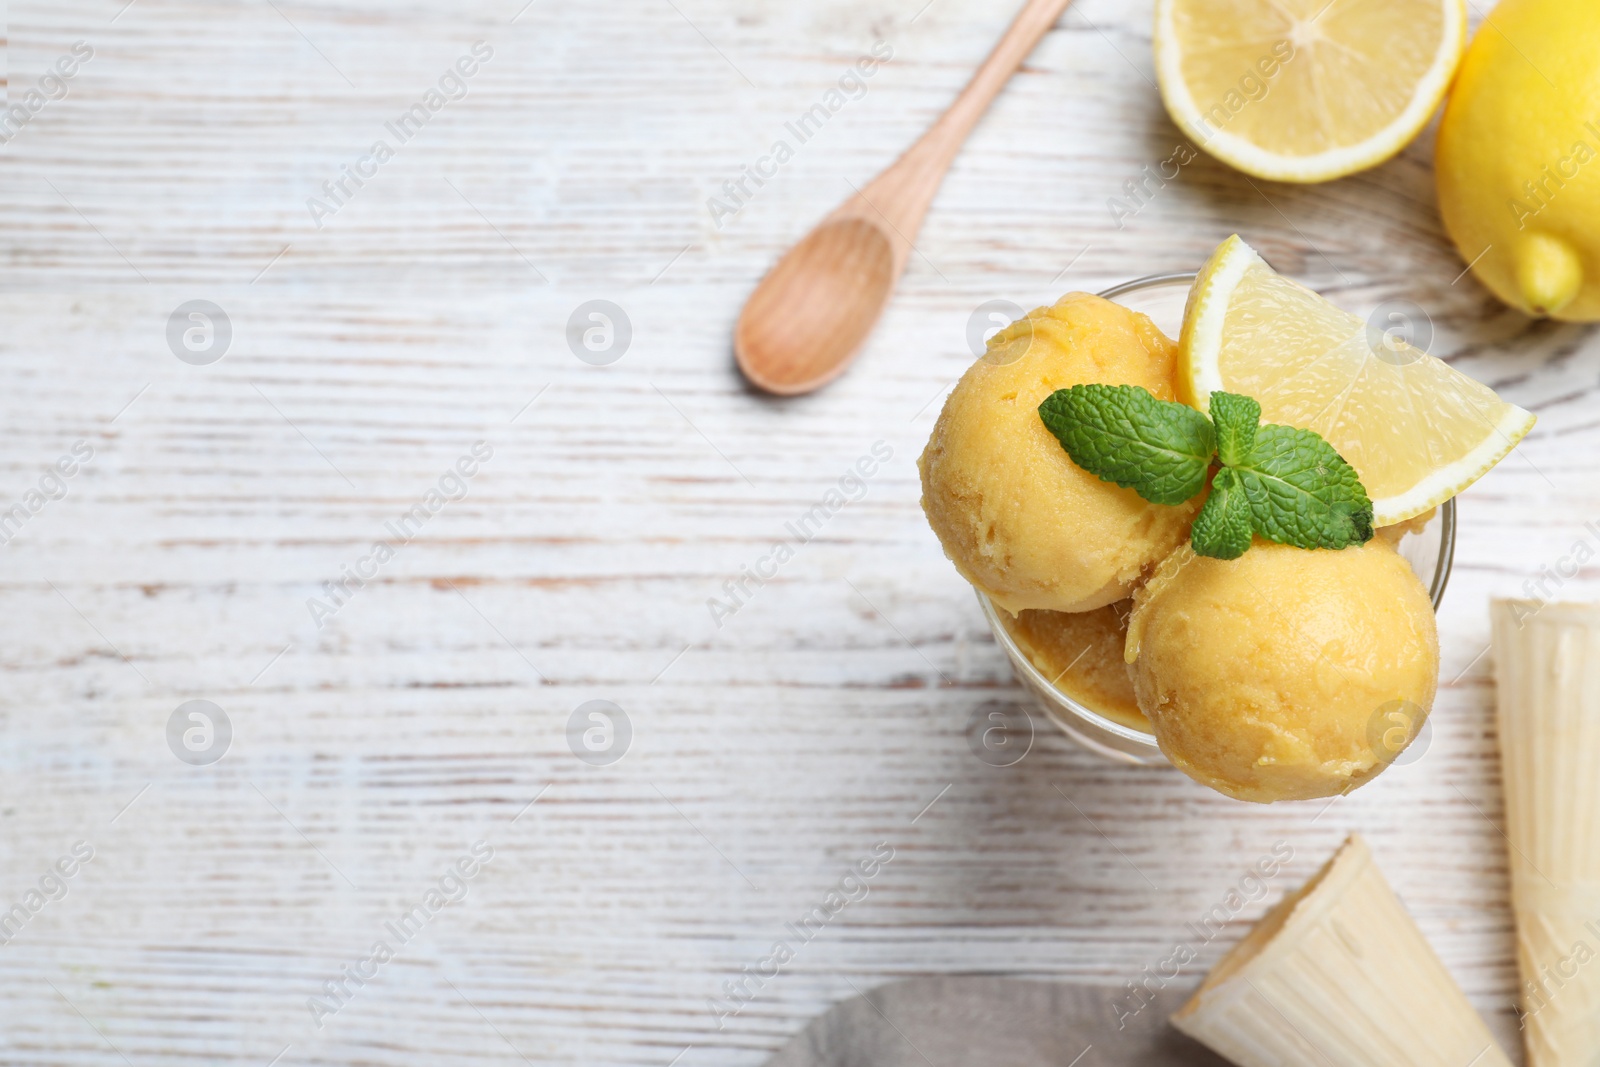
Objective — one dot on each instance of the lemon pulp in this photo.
(1417, 430)
(1305, 90)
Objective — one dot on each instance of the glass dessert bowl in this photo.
(1077, 698)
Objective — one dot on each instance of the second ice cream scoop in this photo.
(1285, 674)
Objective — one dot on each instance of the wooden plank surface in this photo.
(832, 712)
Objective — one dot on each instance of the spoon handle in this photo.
(944, 139)
(902, 194)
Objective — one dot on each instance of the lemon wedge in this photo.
(1305, 90)
(1417, 430)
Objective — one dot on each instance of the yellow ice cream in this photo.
(1080, 653)
(1281, 675)
(1019, 519)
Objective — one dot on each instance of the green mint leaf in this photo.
(1223, 528)
(1236, 418)
(1302, 492)
(1123, 434)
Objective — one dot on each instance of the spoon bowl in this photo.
(810, 315)
(816, 307)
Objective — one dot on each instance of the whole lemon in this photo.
(1518, 157)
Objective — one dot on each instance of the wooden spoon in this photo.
(808, 317)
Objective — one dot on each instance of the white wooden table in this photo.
(832, 712)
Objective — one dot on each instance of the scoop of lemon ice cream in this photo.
(1019, 519)
(1281, 675)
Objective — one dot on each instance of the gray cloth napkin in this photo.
(958, 1021)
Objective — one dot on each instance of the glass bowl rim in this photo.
(1020, 661)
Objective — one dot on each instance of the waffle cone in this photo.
(1338, 974)
(1547, 664)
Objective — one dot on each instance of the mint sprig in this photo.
(1286, 484)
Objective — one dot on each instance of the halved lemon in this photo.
(1416, 430)
(1305, 90)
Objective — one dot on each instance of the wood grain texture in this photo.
(768, 754)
